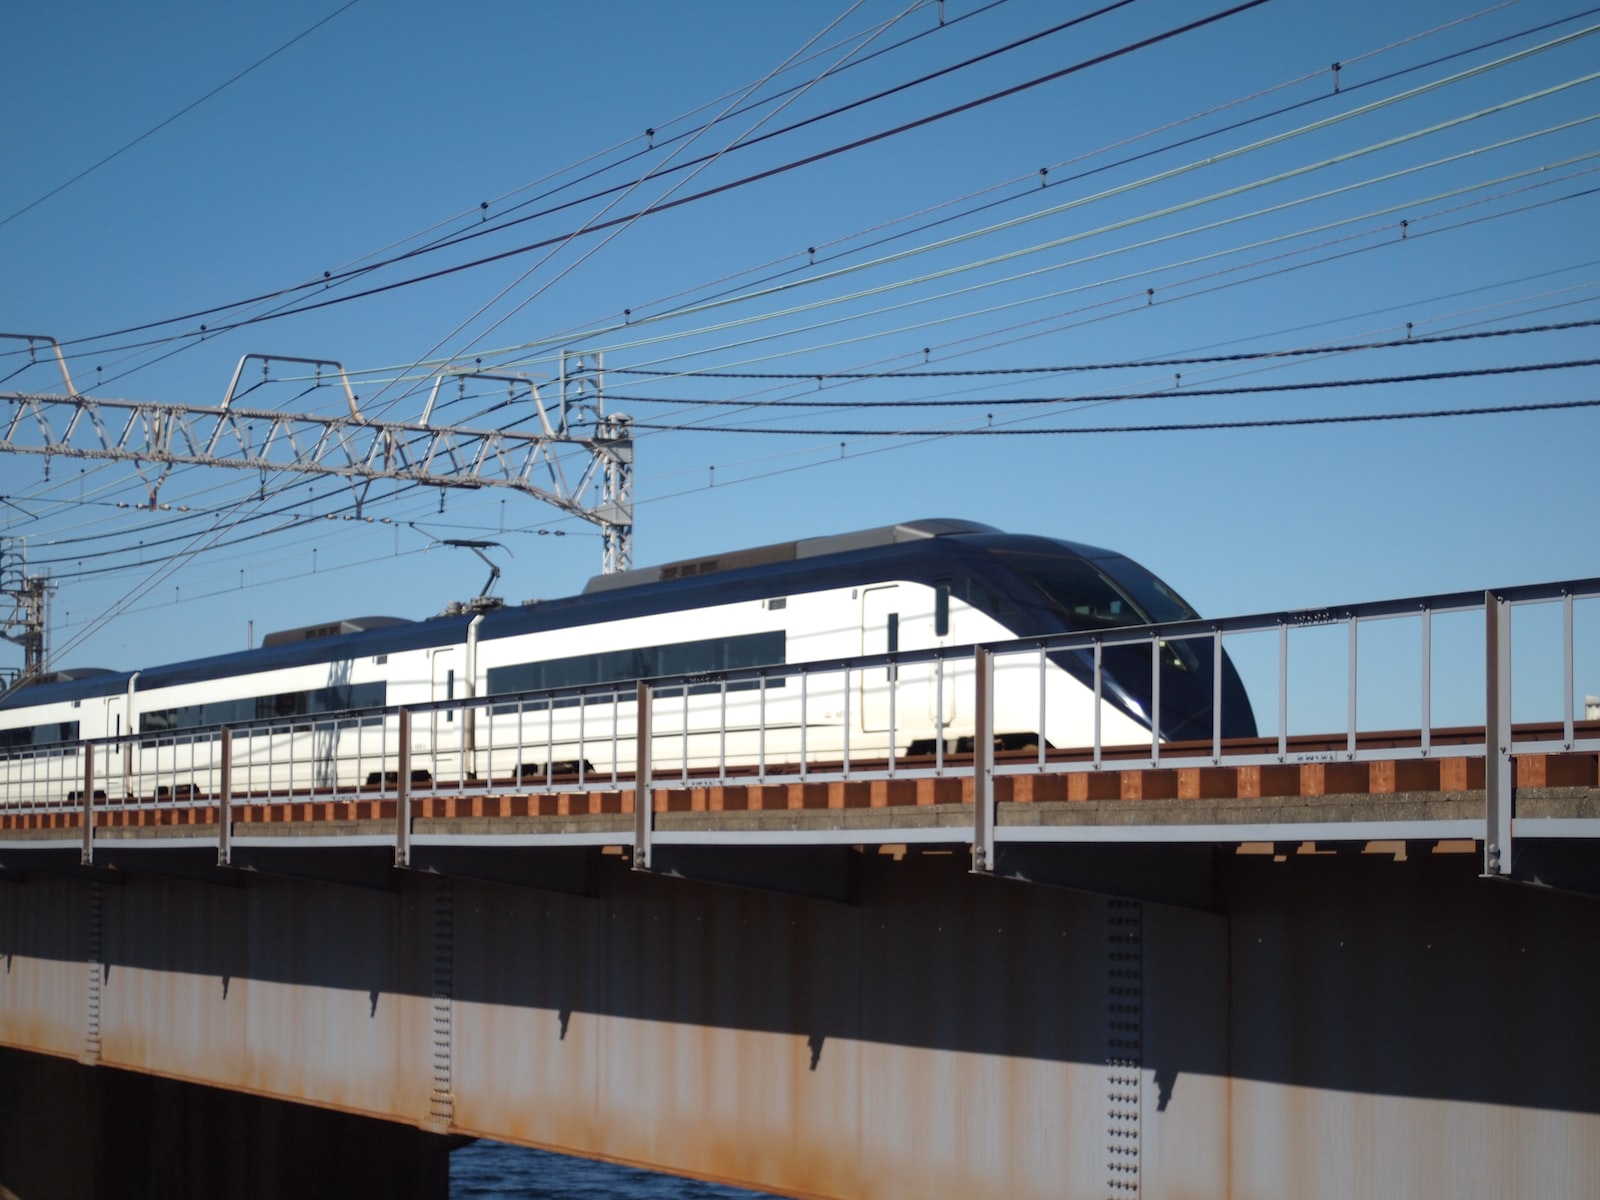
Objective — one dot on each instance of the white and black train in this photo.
(547, 685)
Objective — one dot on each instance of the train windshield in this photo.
(1160, 602)
(1086, 595)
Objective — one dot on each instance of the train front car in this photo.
(1036, 585)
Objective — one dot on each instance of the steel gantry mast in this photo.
(27, 622)
(158, 437)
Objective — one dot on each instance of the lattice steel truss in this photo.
(158, 437)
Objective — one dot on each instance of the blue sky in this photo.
(941, 247)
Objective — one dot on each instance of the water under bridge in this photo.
(1308, 963)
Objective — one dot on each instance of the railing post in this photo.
(1425, 723)
(1216, 695)
(643, 814)
(1351, 711)
(1566, 669)
(1497, 776)
(402, 792)
(1099, 697)
(983, 761)
(1283, 690)
(88, 804)
(1155, 698)
(225, 799)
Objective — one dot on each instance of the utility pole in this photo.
(583, 405)
(28, 620)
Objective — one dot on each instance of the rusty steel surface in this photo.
(1311, 1024)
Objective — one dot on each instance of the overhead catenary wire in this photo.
(186, 340)
(1119, 190)
(1033, 179)
(591, 250)
(1325, 96)
(1187, 205)
(743, 181)
(1418, 220)
(1063, 368)
(831, 448)
(1166, 393)
(1141, 300)
(1193, 426)
(356, 269)
(1322, 97)
(1138, 298)
(330, 277)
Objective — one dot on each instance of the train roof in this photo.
(308, 633)
(65, 685)
(781, 552)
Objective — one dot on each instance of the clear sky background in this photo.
(1221, 191)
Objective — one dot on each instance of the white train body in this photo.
(519, 694)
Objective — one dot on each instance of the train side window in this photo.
(26, 736)
(643, 662)
(941, 610)
(894, 632)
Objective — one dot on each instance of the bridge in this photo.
(1309, 963)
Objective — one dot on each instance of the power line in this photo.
(1140, 298)
(1068, 368)
(703, 162)
(357, 271)
(1042, 176)
(1175, 392)
(731, 185)
(188, 338)
(190, 107)
(1179, 427)
(1170, 210)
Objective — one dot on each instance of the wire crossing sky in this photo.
(1321, 279)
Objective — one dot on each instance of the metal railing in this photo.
(1050, 701)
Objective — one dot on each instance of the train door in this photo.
(920, 704)
(880, 634)
(443, 724)
(112, 762)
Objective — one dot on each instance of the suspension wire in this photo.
(1170, 210)
(332, 277)
(768, 173)
(1034, 178)
(1173, 145)
(1065, 368)
(1142, 300)
(1347, 90)
(1140, 297)
(1165, 393)
(1191, 426)
(617, 231)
